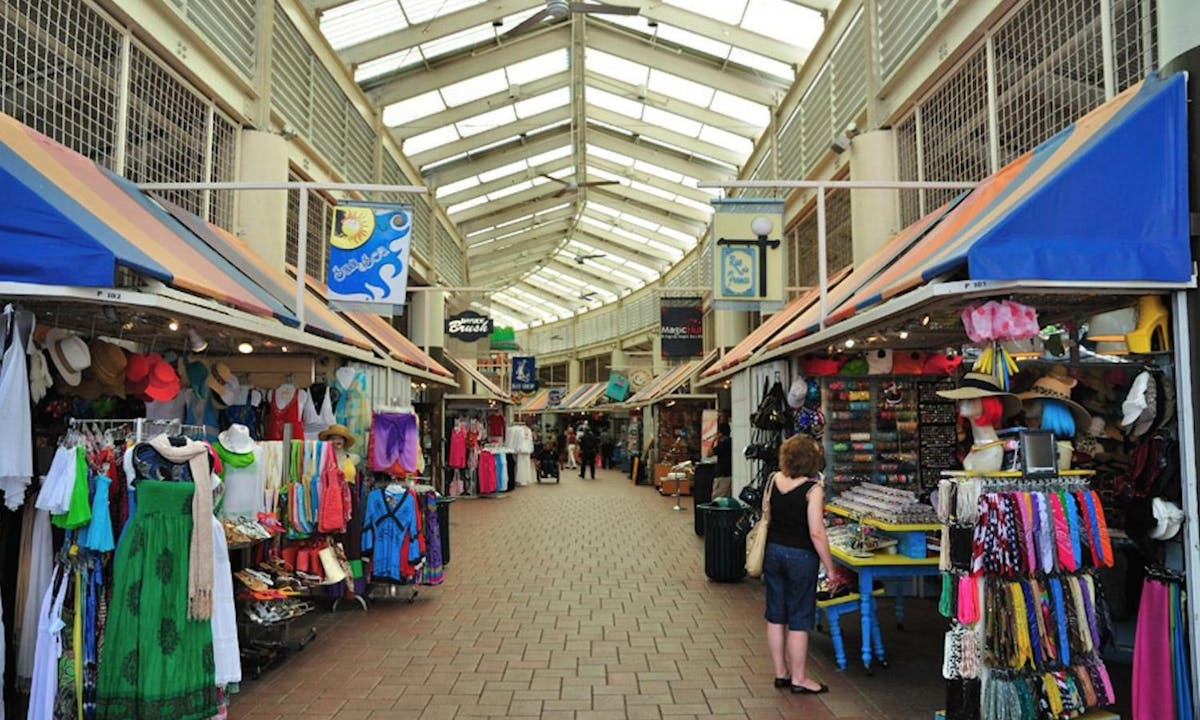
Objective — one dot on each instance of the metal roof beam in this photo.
(491, 207)
(669, 208)
(674, 105)
(623, 246)
(822, 6)
(406, 84)
(630, 202)
(705, 150)
(535, 144)
(511, 213)
(523, 310)
(669, 58)
(551, 293)
(507, 181)
(638, 230)
(480, 106)
(650, 179)
(566, 305)
(532, 223)
(586, 274)
(534, 243)
(435, 28)
(494, 135)
(662, 157)
(320, 6)
(705, 26)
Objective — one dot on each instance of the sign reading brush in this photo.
(369, 246)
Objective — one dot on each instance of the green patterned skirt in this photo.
(155, 662)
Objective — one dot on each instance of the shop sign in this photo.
(748, 255)
(682, 327)
(524, 374)
(369, 247)
(554, 397)
(618, 387)
(468, 326)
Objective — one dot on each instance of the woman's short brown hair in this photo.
(801, 456)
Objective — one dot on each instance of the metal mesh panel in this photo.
(954, 129)
(229, 25)
(221, 203)
(328, 116)
(839, 246)
(59, 60)
(901, 25)
(320, 215)
(290, 62)
(422, 238)
(907, 168)
(848, 67)
(1049, 71)
(640, 313)
(449, 262)
(816, 120)
(360, 148)
(704, 265)
(166, 138)
(392, 173)
(1135, 40)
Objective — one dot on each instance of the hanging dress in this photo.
(44, 690)
(318, 412)
(16, 442)
(281, 417)
(487, 473)
(458, 448)
(227, 660)
(353, 408)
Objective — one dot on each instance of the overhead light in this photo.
(850, 343)
(245, 348)
(283, 348)
(195, 342)
(925, 319)
(173, 326)
(903, 334)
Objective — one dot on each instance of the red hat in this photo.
(816, 366)
(163, 382)
(137, 371)
(942, 364)
(906, 362)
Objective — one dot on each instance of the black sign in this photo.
(468, 326)
(682, 328)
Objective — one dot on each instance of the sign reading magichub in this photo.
(682, 326)
(468, 326)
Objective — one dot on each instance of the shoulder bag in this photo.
(756, 540)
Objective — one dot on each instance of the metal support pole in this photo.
(822, 270)
(1186, 408)
(286, 185)
(120, 145)
(1107, 49)
(301, 255)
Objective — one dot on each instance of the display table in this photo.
(880, 565)
(1089, 715)
(832, 610)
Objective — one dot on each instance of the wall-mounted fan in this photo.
(559, 9)
(570, 186)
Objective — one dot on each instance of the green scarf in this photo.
(232, 459)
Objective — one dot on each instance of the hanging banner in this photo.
(708, 432)
(554, 397)
(524, 374)
(618, 387)
(682, 326)
(369, 246)
(748, 252)
(468, 326)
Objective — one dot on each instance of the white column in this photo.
(262, 214)
(427, 323)
(874, 214)
(657, 363)
(572, 374)
(730, 327)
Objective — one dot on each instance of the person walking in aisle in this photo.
(606, 449)
(588, 446)
(796, 543)
(572, 449)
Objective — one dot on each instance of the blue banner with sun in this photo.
(369, 246)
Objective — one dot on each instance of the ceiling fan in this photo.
(570, 186)
(559, 9)
(580, 259)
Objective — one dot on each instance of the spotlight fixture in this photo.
(195, 342)
(245, 348)
(173, 326)
(903, 334)
(283, 348)
(925, 320)
(850, 343)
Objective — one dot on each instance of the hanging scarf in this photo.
(200, 553)
(233, 459)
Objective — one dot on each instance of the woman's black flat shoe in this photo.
(783, 682)
(801, 690)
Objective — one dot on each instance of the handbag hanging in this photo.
(772, 411)
(756, 541)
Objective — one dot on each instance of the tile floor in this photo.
(582, 600)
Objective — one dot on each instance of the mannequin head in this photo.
(982, 412)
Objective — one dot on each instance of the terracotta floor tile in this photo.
(585, 600)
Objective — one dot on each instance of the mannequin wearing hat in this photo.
(1048, 406)
(245, 479)
(984, 404)
(342, 440)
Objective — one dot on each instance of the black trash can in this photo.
(443, 513)
(724, 542)
(702, 486)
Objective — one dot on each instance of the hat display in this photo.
(236, 439)
(1168, 518)
(161, 383)
(338, 431)
(39, 376)
(980, 385)
(797, 393)
(908, 362)
(1141, 405)
(197, 377)
(218, 377)
(941, 364)
(879, 362)
(1057, 385)
(854, 366)
(137, 372)
(69, 353)
(108, 367)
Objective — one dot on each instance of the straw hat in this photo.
(108, 367)
(974, 386)
(336, 431)
(69, 353)
(218, 377)
(1057, 385)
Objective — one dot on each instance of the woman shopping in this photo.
(796, 543)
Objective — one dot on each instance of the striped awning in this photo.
(585, 398)
(669, 381)
(478, 384)
(535, 403)
(401, 348)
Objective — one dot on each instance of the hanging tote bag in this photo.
(772, 411)
(756, 541)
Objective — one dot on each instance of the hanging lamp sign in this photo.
(748, 255)
(468, 326)
(369, 246)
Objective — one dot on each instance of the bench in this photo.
(832, 610)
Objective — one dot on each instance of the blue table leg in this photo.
(899, 606)
(834, 619)
(866, 581)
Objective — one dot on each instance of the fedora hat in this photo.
(1057, 385)
(974, 386)
(236, 439)
(218, 377)
(108, 366)
(1141, 405)
(337, 431)
(69, 353)
(162, 383)
(1167, 519)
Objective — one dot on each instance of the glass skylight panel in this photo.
(726, 11)
(677, 87)
(728, 140)
(486, 121)
(682, 237)
(616, 67)
(762, 63)
(457, 186)
(689, 39)
(741, 112)
(785, 21)
(387, 64)
(466, 204)
(359, 21)
(538, 67)
(414, 108)
(427, 141)
(614, 102)
(661, 172)
(671, 121)
(457, 41)
(511, 189)
(535, 160)
(497, 173)
(419, 11)
(703, 207)
(674, 252)
(473, 88)
(610, 155)
(542, 103)
(603, 174)
(658, 192)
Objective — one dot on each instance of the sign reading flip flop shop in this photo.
(468, 326)
(749, 262)
(524, 374)
(369, 247)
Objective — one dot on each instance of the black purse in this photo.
(772, 411)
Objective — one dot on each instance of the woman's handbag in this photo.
(772, 411)
(756, 541)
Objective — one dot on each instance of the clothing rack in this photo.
(142, 427)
